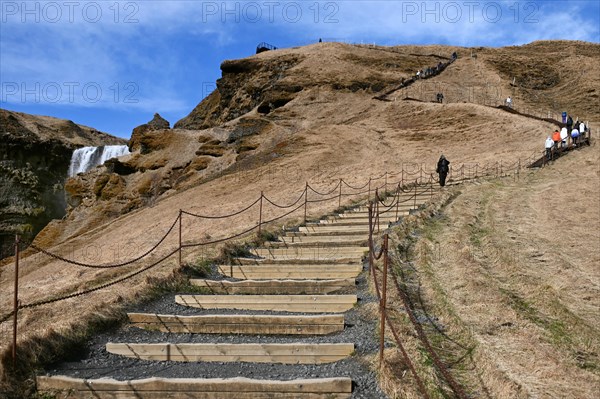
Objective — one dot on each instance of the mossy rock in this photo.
(75, 190)
(200, 163)
(99, 184)
(211, 150)
(113, 188)
(155, 140)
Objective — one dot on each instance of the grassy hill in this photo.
(282, 118)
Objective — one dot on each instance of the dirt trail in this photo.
(517, 262)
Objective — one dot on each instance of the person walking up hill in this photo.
(442, 169)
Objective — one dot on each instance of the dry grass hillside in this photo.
(510, 269)
(277, 120)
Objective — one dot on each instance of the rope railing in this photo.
(402, 186)
(384, 313)
(129, 262)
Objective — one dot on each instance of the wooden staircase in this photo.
(291, 288)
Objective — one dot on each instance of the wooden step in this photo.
(271, 287)
(240, 324)
(322, 271)
(331, 229)
(365, 215)
(329, 239)
(310, 252)
(317, 241)
(342, 232)
(295, 353)
(351, 222)
(295, 262)
(195, 388)
(282, 303)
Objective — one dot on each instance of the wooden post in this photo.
(305, 200)
(260, 214)
(377, 208)
(180, 241)
(382, 303)
(385, 184)
(16, 303)
(397, 201)
(340, 197)
(402, 176)
(415, 200)
(371, 255)
(369, 194)
(431, 186)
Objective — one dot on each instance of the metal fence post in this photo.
(180, 240)
(340, 196)
(305, 200)
(377, 208)
(415, 200)
(16, 302)
(382, 303)
(260, 214)
(385, 184)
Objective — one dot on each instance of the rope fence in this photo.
(385, 319)
(408, 180)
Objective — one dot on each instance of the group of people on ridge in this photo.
(569, 135)
(434, 70)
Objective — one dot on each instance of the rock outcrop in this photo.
(138, 135)
(35, 152)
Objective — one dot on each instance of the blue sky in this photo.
(112, 64)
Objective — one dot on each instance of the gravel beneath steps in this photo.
(360, 330)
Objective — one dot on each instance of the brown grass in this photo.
(495, 273)
(333, 134)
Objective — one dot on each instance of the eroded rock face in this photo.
(139, 137)
(34, 160)
(244, 85)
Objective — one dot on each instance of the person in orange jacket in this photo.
(556, 138)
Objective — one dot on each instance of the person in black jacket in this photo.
(442, 169)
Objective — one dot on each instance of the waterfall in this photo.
(86, 158)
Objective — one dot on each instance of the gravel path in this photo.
(360, 330)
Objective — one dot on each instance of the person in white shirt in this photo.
(509, 102)
(563, 137)
(549, 145)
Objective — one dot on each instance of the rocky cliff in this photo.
(285, 105)
(35, 152)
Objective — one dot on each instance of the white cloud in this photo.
(146, 44)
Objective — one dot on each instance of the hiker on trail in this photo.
(581, 127)
(556, 138)
(418, 74)
(440, 98)
(442, 169)
(569, 124)
(563, 137)
(564, 132)
(509, 102)
(454, 55)
(575, 136)
(549, 144)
